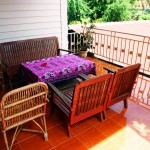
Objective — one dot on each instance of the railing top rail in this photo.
(133, 34)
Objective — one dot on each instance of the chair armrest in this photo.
(84, 77)
(62, 97)
(109, 70)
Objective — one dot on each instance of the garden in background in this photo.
(96, 11)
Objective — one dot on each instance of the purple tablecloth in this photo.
(57, 68)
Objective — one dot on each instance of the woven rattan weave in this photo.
(22, 105)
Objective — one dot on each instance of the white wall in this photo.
(26, 19)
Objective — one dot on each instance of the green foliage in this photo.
(75, 22)
(135, 13)
(119, 10)
(98, 8)
(80, 11)
(98, 20)
(87, 36)
(132, 1)
(77, 10)
(147, 11)
(144, 17)
(71, 11)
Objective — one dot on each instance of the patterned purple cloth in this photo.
(57, 68)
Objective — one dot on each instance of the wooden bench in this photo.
(14, 53)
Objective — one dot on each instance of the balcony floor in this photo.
(123, 129)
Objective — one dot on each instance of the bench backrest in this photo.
(16, 52)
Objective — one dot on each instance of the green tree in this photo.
(97, 8)
(132, 1)
(78, 10)
(119, 10)
(71, 11)
(144, 17)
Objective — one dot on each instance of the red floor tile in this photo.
(80, 127)
(57, 135)
(35, 143)
(72, 144)
(91, 137)
(123, 129)
(108, 127)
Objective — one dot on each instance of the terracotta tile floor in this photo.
(123, 129)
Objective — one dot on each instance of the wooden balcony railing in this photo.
(117, 47)
(141, 91)
(121, 49)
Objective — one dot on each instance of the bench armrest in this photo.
(3, 64)
(109, 70)
(65, 50)
(70, 52)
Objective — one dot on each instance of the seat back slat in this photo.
(123, 83)
(90, 97)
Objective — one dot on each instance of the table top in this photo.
(58, 68)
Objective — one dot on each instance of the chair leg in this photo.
(101, 116)
(104, 114)
(68, 129)
(10, 84)
(52, 103)
(9, 145)
(5, 79)
(45, 129)
(125, 103)
(6, 140)
(52, 108)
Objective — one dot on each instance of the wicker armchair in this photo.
(88, 98)
(22, 105)
(124, 80)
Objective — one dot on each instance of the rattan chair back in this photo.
(22, 105)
